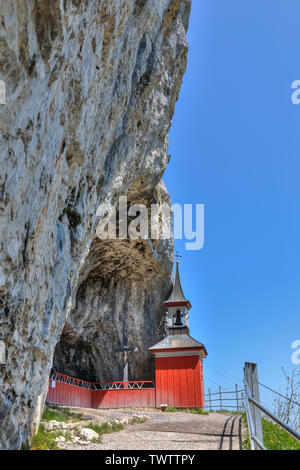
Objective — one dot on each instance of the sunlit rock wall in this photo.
(91, 90)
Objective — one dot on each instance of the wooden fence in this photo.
(69, 391)
(225, 400)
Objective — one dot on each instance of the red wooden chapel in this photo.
(178, 374)
(178, 357)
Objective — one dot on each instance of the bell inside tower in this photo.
(178, 321)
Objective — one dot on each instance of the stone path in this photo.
(168, 431)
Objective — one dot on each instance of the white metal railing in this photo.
(254, 439)
(130, 385)
(57, 377)
(247, 400)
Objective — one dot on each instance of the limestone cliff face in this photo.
(91, 90)
(122, 286)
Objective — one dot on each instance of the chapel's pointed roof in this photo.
(177, 296)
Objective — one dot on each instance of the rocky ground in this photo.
(84, 431)
(159, 430)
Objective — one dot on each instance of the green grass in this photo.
(276, 438)
(198, 411)
(45, 440)
(104, 428)
(107, 428)
(246, 441)
(227, 411)
(52, 412)
(137, 420)
(67, 435)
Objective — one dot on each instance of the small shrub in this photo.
(45, 440)
(227, 411)
(170, 409)
(198, 411)
(67, 435)
(53, 412)
(137, 420)
(105, 428)
(246, 441)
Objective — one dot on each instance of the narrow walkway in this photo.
(171, 431)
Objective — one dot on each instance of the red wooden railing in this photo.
(70, 391)
(67, 379)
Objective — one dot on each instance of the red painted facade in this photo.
(179, 381)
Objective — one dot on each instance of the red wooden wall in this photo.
(71, 395)
(179, 381)
(68, 395)
(144, 398)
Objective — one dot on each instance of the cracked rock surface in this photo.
(91, 88)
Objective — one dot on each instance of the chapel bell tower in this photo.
(178, 356)
(177, 308)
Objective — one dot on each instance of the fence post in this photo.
(221, 404)
(209, 399)
(237, 397)
(251, 377)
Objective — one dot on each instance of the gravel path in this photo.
(167, 431)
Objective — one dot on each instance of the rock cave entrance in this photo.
(121, 286)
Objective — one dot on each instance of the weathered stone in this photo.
(49, 425)
(89, 434)
(91, 90)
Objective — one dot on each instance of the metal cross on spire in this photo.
(125, 350)
(178, 256)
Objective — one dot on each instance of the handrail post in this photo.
(221, 404)
(237, 398)
(209, 399)
(251, 378)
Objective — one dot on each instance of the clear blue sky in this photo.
(234, 146)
